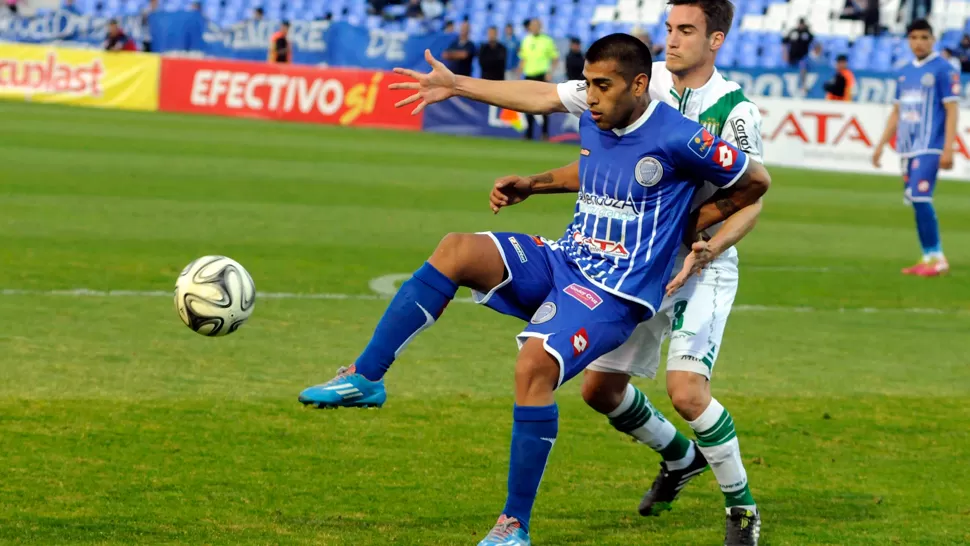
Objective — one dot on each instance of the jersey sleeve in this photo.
(948, 84)
(743, 130)
(707, 157)
(572, 94)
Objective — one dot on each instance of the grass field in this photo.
(118, 425)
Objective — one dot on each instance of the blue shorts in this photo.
(577, 321)
(919, 178)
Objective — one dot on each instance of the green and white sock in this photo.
(637, 417)
(718, 441)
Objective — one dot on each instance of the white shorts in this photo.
(694, 319)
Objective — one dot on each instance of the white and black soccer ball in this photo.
(214, 295)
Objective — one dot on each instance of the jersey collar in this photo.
(639, 122)
(688, 91)
(919, 64)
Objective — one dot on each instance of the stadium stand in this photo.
(755, 42)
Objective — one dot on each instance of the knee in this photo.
(689, 393)
(452, 246)
(536, 378)
(603, 396)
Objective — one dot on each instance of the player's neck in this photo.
(692, 78)
(636, 114)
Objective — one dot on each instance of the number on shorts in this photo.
(679, 308)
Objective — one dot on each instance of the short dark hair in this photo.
(843, 58)
(919, 24)
(718, 13)
(631, 55)
(575, 40)
(285, 23)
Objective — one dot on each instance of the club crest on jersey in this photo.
(649, 171)
(923, 186)
(928, 80)
(701, 143)
(544, 313)
(585, 296)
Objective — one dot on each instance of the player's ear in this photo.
(640, 84)
(716, 40)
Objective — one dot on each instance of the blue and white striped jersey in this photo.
(635, 194)
(921, 91)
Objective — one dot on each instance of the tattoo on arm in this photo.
(727, 206)
(542, 182)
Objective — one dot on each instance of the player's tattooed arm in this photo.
(512, 190)
(746, 192)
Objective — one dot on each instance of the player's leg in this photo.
(471, 260)
(559, 343)
(700, 316)
(607, 389)
(923, 171)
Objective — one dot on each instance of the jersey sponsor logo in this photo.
(544, 313)
(518, 250)
(701, 143)
(928, 80)
(923, 186)
(648, 172)
(580, 342)
(537, 240)
(608, 207)
(738, 126)
(580, 87)
(726, 156)
(601, 246)
(916, 163)
(584, 152)
(585, 296)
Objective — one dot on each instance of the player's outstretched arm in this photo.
(887, 135)
(513, 189)
(441, 84)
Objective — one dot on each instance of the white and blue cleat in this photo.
(348, 390)
(507, 532)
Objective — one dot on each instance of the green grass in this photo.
(120, 426)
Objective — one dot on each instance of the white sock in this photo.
(638, 418)
(717, 440)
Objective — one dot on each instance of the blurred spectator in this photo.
(280, 49)
(449, 27)
(575, 60)
(117, 40)
(69, 6)
(913, 10)
(414, 10)
(951, 58)
(492, 57)
(12, 6)
(798, 41)
(512, 44)
(870, 15)
(257, 14)
(963, 53)
(461, 52)
(538, 56)
(146, 30)
(842, 86)
(817, 60)
(644, 37)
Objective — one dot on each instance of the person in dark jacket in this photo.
(492, 57)
(575, 60)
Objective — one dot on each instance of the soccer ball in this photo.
(214, 295)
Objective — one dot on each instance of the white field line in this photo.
(89, 293)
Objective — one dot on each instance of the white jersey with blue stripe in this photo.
(636, 188)
(923, 87)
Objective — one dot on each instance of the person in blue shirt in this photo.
(511, 43)
(924, 122)
(583, 294)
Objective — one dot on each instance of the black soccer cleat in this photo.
(743, 527)
(668, 485)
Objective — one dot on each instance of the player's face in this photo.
(921, 42)
(611, 98)
(688, 45)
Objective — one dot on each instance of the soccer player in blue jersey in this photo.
(584, 293)
(924, 122)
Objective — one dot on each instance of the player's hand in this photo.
(877, 157)
(700, 255)
(508, 191)
(946, 160)
(435, 86)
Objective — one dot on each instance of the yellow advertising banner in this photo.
(85, 77)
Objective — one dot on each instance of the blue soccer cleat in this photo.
(348, 390)
(507, 532)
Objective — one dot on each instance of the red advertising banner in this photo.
(286, 92)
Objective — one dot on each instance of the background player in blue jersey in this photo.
(584, 293)
(924, 122)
